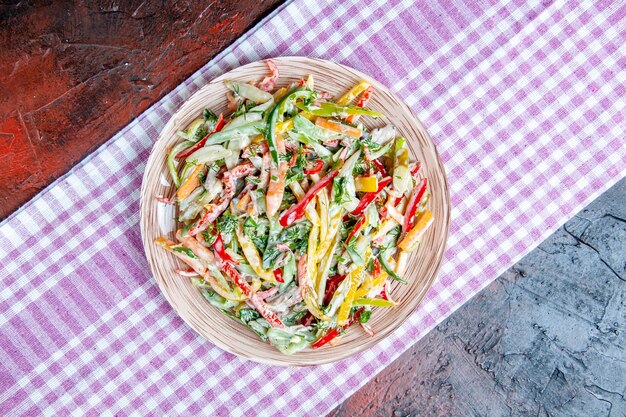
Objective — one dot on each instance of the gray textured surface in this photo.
(547, 338)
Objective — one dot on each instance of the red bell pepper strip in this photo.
(331, 287)
(330, 335)
(381, 168)
(356, 229)
(278, 275)
(416, 169)
(367, 199)
(296, 211)
(383, 292)
(376, 271)
(307, 320)
(319, 164)
(333, 333)
(219, 125)
(414, 201)
(218, 246)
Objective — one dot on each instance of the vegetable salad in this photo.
(294, 216)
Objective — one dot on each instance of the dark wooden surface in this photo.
(73, 73)
(547, 338)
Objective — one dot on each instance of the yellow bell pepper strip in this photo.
(367, 184)
(284, 127)
(192, 182)
(413, 204)
(376, 302)
(338, 127)
(355, 276)
(353, 92)
(413, 237)
(306, 290)
(330, 109)
(280, 93)
(311, 251)
(401, 174)
(375, 286)
(251, 254)
(296, 211)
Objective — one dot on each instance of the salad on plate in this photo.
(294, 216)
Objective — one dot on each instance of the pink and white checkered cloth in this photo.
(525, 100)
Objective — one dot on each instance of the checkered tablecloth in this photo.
(525, 101)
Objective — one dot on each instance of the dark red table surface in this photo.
(74, 73)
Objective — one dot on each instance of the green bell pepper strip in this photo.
(248, 129)
(171, 160)
(277, 111)
(376, 302)
(329, 109)
(389, 270)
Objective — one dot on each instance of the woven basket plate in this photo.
(157, 219)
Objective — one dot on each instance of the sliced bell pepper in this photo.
(331, 287)
(357, 228)
(366, 184)
(353, 92)
(344, 310)
(171, 160)
(338, 127)
(376, 302)
(413, 237)
(414, 202)
(278, 275)
(191, 183)
(220, 250)
(330, 109)
(368, 199)
(319, 164)
(252, 256)
(219, 125)
(381, 168)
(334, 332)
(296, 211)
(363, 100)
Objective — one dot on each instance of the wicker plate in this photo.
(157, 219)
